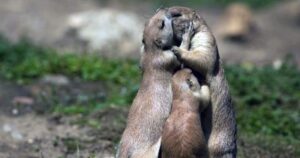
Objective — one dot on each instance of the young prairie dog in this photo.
(183, 135)
(152, 104)
(198, 51)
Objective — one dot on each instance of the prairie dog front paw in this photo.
(177, 51)
(205, 94)
(188, 32)
(187, 35)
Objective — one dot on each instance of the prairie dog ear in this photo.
(195, 14)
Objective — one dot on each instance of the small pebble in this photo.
(7, 128)
(16, 135)
(15, 111)
(30, 141)
(277, 64)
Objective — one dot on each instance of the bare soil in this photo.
(33, 131)
(30, 131)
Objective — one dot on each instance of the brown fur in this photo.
(152, 104)
(198, 51)
(183, 136)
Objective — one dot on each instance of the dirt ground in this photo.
(31, 131)
(28, 131)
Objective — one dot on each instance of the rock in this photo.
(58, 80)
(237, 22)
(30, 141)
(7, 128)
(21, 100)
(15, 111)
(108, 30)
(277, 64)
(16, 135)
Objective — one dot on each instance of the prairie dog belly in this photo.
(203, 42)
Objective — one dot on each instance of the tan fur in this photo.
(152, 104)
(198, 51)
(183, 136)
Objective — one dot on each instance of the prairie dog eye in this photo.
(190, 83)
(162, 24)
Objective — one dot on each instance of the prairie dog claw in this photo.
(189, 31)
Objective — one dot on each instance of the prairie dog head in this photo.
(182, 16)
(158, 32)
(185, 85)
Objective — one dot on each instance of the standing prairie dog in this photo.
(152, 104)
(183, 136)
(198, 51)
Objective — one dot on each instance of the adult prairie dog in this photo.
(152, 104)
(183, 136)
(198, 51)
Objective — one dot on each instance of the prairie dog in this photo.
(152, 104)
(183, 136)
(198, 51)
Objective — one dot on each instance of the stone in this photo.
(108, 30)
(15, 111)
(7, 128)
(22, 100)
(16, 135)
(58, 80)
(30, 141)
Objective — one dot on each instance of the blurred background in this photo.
(69, 71)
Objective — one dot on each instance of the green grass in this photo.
(24, 61)
(267, 100)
